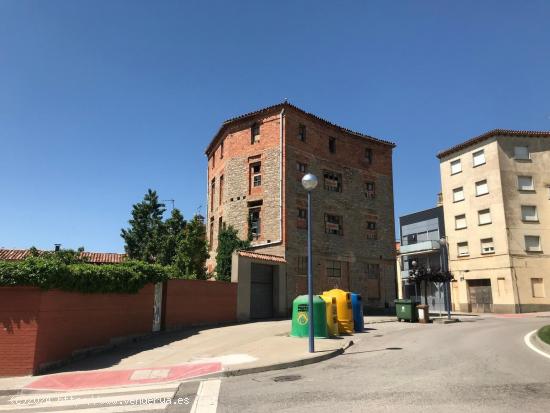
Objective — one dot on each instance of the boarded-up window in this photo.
(458, 194)
(484, 216)
(332, 181)
(479, 157)
(460, 221)
(482, 188)
(456, 166)
(537, 286)
(501, 285)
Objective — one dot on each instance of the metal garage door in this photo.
(481, 296)
(261, 291)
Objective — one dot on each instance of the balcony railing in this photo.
(424, 246)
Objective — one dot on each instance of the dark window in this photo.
(302, 133)
(332, 144)
(212, 192)
(254, 223)
(368, 155)
(370, 191)
(220, 224)
(333, 224)
(302, 213)
(221, 150)
(334, 268)
(371, 230)
(221, 190)
(373, 271)
(256, 174)
(411, 239)
(301, 167)
(211, 234)
(332, 181)
(255, 134)
(301, 265)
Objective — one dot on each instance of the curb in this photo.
(242, 372)
(541, 345)
(285, 365)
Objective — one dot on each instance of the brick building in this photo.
(255, 165)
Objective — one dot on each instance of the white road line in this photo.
(206, 400)
(527, 340)
(105, 390)
(68, 400)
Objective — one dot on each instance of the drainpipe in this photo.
(281, 131)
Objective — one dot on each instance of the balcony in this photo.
(423, 247)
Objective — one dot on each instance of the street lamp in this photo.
(309, 182)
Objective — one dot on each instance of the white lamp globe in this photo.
(309, 182)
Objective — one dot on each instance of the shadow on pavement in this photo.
(350, 353)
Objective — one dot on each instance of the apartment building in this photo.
(496, 199)
(422, 233)
(255, 165)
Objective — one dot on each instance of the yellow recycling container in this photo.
(332, 318)
(343, 309)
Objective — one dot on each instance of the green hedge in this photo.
(47, 273)
(544, 334)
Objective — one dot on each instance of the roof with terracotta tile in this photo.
(263, 257)
(280, 106)
(490, 134)
(91, 257)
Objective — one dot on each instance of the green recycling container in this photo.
(300, 317)
(405, 309)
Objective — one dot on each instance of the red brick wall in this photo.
(72, 321)
(193, 302)
(45, 326)
(19, 308)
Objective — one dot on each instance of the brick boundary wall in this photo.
(39, 327)
(196, 302)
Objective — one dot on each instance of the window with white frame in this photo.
(456, 166)
(525, 183)
(529, 213)
(462, 249)
(458, 194)
(484, 216)
(478, 157)
(522, 153)
(532, 243)
(487, 246)
(460, 221)
(482, 188)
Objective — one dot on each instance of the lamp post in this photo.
(447, 291)
(309, 182)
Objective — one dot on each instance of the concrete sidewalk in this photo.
(234, 349)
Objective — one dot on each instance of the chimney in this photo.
(57, 247)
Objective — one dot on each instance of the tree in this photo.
(192, 250)
(143, 239)
(173, 234)
(228, 242)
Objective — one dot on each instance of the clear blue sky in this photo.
(100, 100)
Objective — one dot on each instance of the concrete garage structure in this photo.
(255, 165)
(261, 290)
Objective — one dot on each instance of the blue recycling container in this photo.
(357, 308)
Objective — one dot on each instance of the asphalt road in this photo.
(480, 364)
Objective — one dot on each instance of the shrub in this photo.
(49, 273)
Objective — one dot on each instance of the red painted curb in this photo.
(116, 378)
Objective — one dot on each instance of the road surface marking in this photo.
(527, 340)
(207, 397)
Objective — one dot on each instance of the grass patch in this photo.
(544, 334)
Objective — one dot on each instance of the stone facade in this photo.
(360, 255)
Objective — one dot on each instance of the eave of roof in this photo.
(490, 134)
(279, 106)
(91, 257)
(263, 257)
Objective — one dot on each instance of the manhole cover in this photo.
(291, 377)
